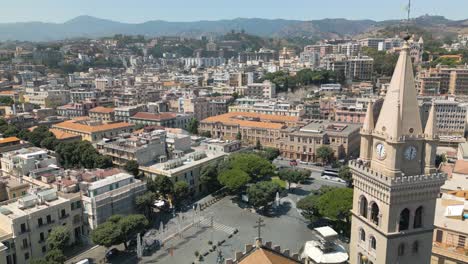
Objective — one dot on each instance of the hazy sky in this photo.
(136, 11)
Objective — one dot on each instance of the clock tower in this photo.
(395, 180)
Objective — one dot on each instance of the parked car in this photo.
(303, 162)
(83, 261)
(293, 163)
(112, 253)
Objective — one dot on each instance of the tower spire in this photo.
(368, 125)
(401, 98)
(430, 130)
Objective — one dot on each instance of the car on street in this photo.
(293, 163)
(112, 253)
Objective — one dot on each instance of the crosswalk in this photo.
(218, 226)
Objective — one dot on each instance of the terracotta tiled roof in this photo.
(100, 109)
(74, 125)
(8, 92)
(241, 119)
(8, 140)
(59, 134)
(263, 256)
(461, 167)
(156, 117)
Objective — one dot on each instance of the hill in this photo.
(87, 26)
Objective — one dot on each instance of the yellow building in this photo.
(93, 131)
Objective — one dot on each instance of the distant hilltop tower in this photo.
(396, 183)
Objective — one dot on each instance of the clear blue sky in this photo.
(136, 11)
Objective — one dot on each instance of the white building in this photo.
(21, 162)
(112, 195)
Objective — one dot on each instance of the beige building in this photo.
(303, 143)
(102, 113)
(12, 188)
(252, 127)
(396, 183)
(93, 130)
(444, 80)
(26, 223)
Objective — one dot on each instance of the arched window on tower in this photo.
(418, 217)
(404, 220)
(401, 249)
(362, 235)
(375, 213)
(373, 243)
(363, 207)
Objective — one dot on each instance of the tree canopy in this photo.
(262, 194)
(132, 167)
(325, 153)
(293, 175)
(58, 238)
(252, 164)
(192, 126)
(144, 203)
(119, 229)
(161, 185)
(181, 191)
(234, 179)
(209, 177)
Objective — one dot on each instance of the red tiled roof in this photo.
(156, 117)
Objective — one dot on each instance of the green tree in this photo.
(132, 167)
(234, 179)
(5, 100)
(345, 174)
(131, 225)
(258, 145)
(192, 126)
(293, 175)
(55, 256)
(106, 234)
(439, 159)
(309, 208)
(40, 261)
(181, 192)
(145, 202)
(270, 153)
(161, 185)
(239, 135)
(336, 204)
(103, 162)
(252, 164)
(209, 177)
(58, 238)
(325, 153)
(262, 194)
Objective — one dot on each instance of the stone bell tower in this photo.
(395, 179)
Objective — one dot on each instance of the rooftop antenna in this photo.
(408, 10)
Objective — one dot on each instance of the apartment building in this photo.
(302, 143)
(142, 148)
(203, 107)
(174, 120)
(451, 118)
(185, 168)
(25, 224)
(371, 42)
(251, 127)
(450, 243)
(353, 110)
(76, 109)
(94, 130)
(12, 188)
(443, 80)
(105, 114)
(268, 107)
(115, 194)
(81, 94)
(266, 89)
(124, 113)
(45, 97)
(22, 161)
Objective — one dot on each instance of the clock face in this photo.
(380, 150)
(410, 153)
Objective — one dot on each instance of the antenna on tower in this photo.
(408, 10)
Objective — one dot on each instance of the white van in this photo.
(84, 261)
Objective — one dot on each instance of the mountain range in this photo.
(92, 27)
